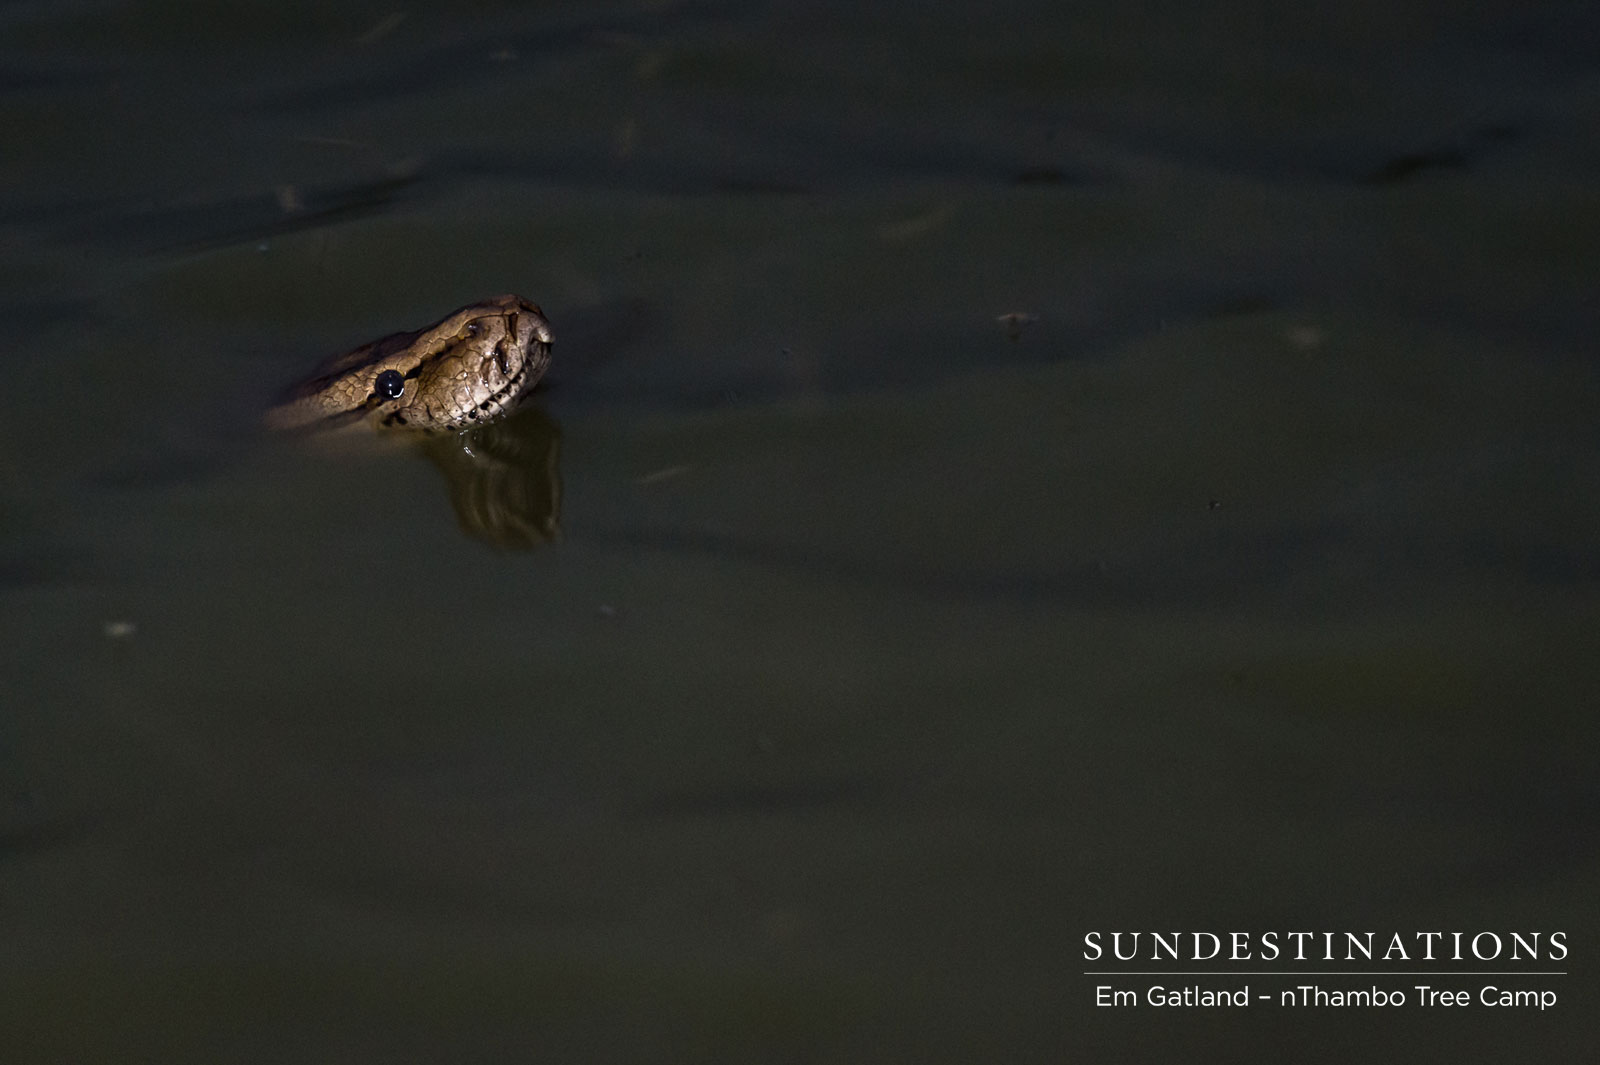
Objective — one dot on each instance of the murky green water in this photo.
(1022, 474)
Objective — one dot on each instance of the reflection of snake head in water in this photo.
(474, 365)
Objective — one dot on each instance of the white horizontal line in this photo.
(1314, 973)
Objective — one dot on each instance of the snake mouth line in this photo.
(509, 389)
(493, 404)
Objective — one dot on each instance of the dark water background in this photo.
(1249, 581)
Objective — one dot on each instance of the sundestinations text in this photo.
(1325, 946)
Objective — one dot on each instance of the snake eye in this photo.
(389, 385)
(473, 329)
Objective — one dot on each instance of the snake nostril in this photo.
(389, 385)
(502, 360)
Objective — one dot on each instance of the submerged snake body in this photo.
(474, 365)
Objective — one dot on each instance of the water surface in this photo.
(1023, 473)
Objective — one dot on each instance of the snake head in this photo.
(474, 365)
